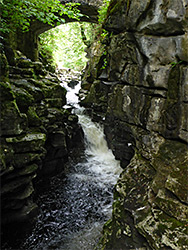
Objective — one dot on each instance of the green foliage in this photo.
(105, 62)
(101, 33)
(46, 47)
(20, 13)
(103, 11)
(104, 33)
(63, 45)
(175, 63)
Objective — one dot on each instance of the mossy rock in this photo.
(4, 67)
(6, 158)
(171, 114)
(171, 164)
(55, 91)
(115, 102)
(33, 118)
(29, 86)
(163, 231)
(37, 83)
(86, 85)
(171, 206)
(116, 5)
(24, 159)
(15, 184)
(54, 102)
(94, 94)
(33, 142)
(25, 63)
(26, 171)
(6, 93)
(10, 112)
(24, 214)
(23, 194)
(23, 98)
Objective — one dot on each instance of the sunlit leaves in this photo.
(103, 11)
(19, 13)
(65, 44)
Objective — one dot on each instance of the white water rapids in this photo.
(100, 158)
(102, 171)
(73, 209)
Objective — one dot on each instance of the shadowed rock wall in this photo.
(137, 83)
(36, 133)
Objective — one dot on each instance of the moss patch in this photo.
(33, 119)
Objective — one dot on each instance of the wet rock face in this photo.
(37, 134)
(142, 95)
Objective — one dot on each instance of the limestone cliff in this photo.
(137, 82)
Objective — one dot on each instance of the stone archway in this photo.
(28, 42)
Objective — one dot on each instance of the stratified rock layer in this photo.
(37, 133)
(137, 84)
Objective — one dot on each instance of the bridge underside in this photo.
(28, 42)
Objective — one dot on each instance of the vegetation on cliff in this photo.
(20, 13)
(67, 45)
(60, 46)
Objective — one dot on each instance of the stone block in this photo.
(12, 121)
(33, 142)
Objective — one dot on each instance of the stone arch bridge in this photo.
(28, 42)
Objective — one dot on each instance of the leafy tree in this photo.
(65, 45)
(20, 13)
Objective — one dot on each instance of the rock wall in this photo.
(137, 83)
(37, 134)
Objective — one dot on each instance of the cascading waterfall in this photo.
(74, 208)
(101, 161)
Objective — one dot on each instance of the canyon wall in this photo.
(37, 133)
(137, 84)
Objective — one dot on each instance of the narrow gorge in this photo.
(135, 85)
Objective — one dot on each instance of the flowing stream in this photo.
(74, 208)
